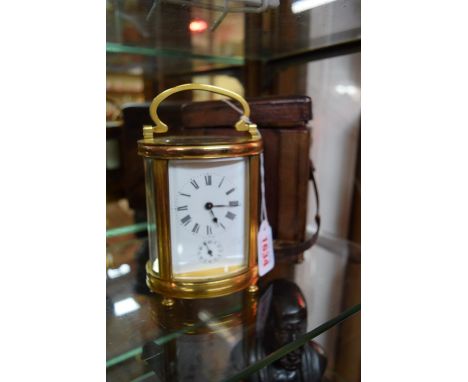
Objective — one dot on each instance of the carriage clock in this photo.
(202, 195)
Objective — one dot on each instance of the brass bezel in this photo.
(149, 147)
(221, 285)
(200, 289)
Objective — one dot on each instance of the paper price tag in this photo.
(266, 256)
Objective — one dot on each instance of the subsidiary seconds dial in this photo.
(208, 204)
(209, 251)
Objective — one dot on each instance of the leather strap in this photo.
(295, 249)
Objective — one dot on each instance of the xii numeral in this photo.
(208, 180)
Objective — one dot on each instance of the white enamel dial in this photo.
(209, 202)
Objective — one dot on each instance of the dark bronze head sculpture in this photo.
(283, 320)
(286, 321)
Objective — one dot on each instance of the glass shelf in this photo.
(161, 39)
(226, 338)
(139, 60)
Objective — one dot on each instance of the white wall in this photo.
(334, 86)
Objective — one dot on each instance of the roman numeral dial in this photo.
(209, 209)
(208, 204)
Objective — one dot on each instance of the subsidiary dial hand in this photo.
(210, 252)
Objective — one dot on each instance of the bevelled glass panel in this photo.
(151, 212)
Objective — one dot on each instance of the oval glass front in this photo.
(209, 217)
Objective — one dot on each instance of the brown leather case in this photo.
(282, 122)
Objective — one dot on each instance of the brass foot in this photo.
(253, 288)
(167, 302)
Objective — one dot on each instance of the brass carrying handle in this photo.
(243, 124)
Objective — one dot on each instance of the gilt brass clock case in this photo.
(163, 150)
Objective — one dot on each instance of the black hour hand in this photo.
(215, 219)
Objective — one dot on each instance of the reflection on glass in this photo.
(222, 330)
(113, 273)
(198, 337)
(304, 5)
(281, 319)
(125, 306)
(346, 89)
(151, 212)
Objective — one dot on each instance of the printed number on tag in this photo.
(266, 257)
